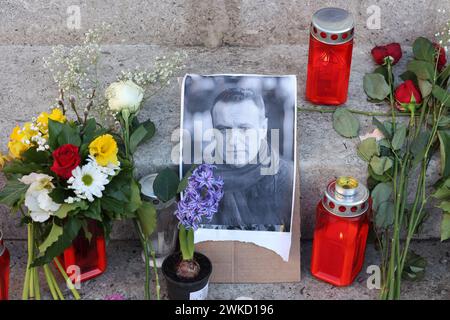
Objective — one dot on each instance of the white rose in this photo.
(124, 95)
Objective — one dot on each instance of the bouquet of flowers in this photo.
(65, 173)
(62, 173)
(400, 150)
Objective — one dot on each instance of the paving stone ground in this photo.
(125, 276)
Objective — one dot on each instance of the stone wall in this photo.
(218, 36)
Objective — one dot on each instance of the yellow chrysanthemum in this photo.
(28, 131)
(17, 142)
(55, 115)
(104, 150)
(3, 160)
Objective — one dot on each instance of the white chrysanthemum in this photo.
(37, 198)
(110, 169)
(88, 181)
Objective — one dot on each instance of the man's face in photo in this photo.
(242, 126)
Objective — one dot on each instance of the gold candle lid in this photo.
(346, 197)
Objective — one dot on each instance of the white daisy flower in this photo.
(110, 169)
(88, 181)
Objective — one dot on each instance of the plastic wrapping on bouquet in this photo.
(340, 234)
(85, 259)
(4, 269)
(330, 56)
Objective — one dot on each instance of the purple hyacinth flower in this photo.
(201, 197)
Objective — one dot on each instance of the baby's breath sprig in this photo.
(157, 78)
(443, 36)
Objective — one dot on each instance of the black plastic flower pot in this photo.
(183, 289)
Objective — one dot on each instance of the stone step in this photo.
(27, 90)
(125, 275)
(210, 23)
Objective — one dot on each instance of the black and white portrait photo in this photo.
(246, 126)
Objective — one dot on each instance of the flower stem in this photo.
(75, 293)
(26, 285)
(155, 269)
(365, 113)
(146, 258)
(50, 283)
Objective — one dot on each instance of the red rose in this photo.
(381, 52)
(404, 94)
(66, 158)
(442, 59)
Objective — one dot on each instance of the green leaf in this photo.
(399, 137)
(34, 156)
(147, 218)
(136, 137)
(444, 147)
(367, 149)
(345, 123)
(52, 237)
(445, 206)
(13, 193)
(66, 208)
(69, 135)
(384, 216)
(424, 50)
(94, 211)
(422, 69)
(414, 267)
(381, 164)
(166, 185)
(381, 193)
(444, 122)
(376, 86)
(442, 95)
(87, 234)
(445, 74)
(151, 129)
(182, 236)
(59, 194)
(18, 167)
(409, 75)
(70, 231)
(183, 183)
(425, 87)
(383, 71)
(418, 147)
(445, 226)
(441, 193)
(54, 130)
(383, 178)
(190, 242)
(387, 132)
(135, 197)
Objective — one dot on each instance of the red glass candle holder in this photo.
(330, 56)
(4, 270)
(88, 256)
(340, 234)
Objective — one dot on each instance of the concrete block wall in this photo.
(218, 36)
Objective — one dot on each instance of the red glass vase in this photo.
(85, 259)
(330, 56)
(4, 270)
(340, 234)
